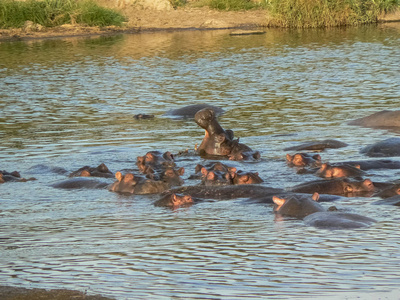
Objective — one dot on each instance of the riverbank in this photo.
(147, 20)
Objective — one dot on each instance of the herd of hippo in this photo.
(157, 173)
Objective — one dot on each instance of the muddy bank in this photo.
(16, 293)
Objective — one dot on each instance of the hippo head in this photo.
(204, 117)
(296, 206)
(241, 177)
(179, 200)
(124, 184)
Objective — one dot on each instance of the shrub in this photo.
(326, 13)
(51, 13)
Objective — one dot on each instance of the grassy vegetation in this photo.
(232, 4)
(327, 13)
(49, 13)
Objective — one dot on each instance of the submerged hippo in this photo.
(317, 145)
(385, 118)
(13, 177)
(303, 160)
(313, 214)
(81, 183)
(220, 142)
(99, 171)
(371, 164)
(339, 170)
(341, 187)
(256, 193)
(188, 112)
(385, 148)
(394, 200)
(174, 200)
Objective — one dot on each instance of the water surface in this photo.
(70, 102)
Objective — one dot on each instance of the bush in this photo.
(232, 4)
(49, 13)
(327, 13)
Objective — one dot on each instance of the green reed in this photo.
(49, 13)
(326, 13)
(232, 4)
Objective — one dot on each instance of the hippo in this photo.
(215, 177)
(337, 220)
(81, 183)
(99, 171)
(394, 200)
(297, 206)
(317, 145)
(133, 184)
(371, 164)
(13, 177)
(156, 160)
(188, 112)
(385, 148)
(337, 171)
(314, 214)
(174, 200)
(303, 160)
(220, 142)
(338, 186)
(212, 166)
(252, 192)
(241, 177)
(381, 119)
(389, 191)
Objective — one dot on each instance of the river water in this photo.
(70, 102)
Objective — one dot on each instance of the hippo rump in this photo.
(81, 183)
(317, 145)
(394, 200)
(337, 220)
(372, 164)
(220, 142)
(339, 186)
(385, 118)
(313, 214)
(385, 148)
(188, 112)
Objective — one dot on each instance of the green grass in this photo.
(232, 4)
(327, 13)
(50, 13)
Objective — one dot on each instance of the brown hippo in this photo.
(156, 160)
(173, 200)
(13, 177)
(385, 148)
(394, 200)
(213, 166)
(371, 164)
(336, 171)
(220, 142)
(131, 184)
(385, 118)
(390, 191)
(99, 171)
(341, 187)
(215, 177)
(313, 214)
(81, 183)
(303, 160)
(241, 177)
(317, 145)
(297, 206)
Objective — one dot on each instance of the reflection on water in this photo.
(68, 103)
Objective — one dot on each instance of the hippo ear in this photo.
(323, 166)
(174, 198)
(398, 191)
(181, 171)
(315, 196)
(198, 168)
(348, 188)
(357, 166)
(119, 176)
(278, 201)
(102, 168)
(289, 157)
